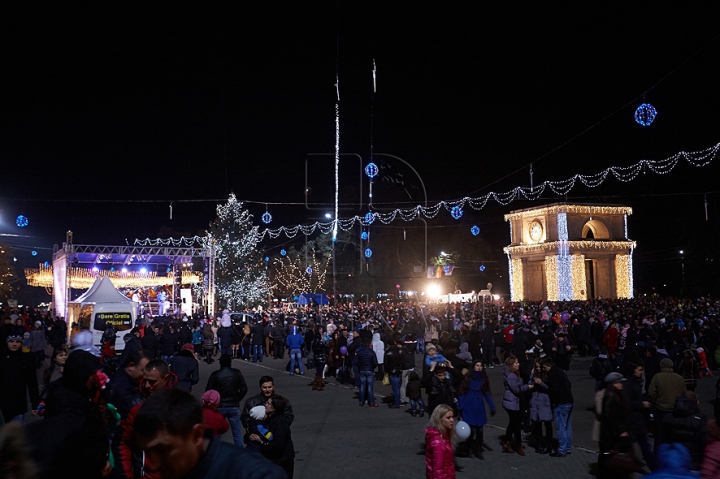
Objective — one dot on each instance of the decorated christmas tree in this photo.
(240, 272)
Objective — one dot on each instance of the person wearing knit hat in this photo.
(665, 387)
(214, 420)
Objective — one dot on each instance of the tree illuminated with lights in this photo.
(240, 272)
(304, 270)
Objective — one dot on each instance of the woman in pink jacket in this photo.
(439, 440)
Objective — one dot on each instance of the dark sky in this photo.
(112, 112)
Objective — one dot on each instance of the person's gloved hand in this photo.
(492, 413)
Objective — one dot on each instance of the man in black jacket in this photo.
(267, 391)
(231, 385)
(562, 402)
(171, 433)
(394, 362)
(257, 331)
(366, 362)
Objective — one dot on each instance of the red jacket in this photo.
(129, 454)
(215, 421)
(439, 457)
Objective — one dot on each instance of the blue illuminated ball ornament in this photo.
(283, 252)
(645, 114)
(368, 252)
(369, 218)
(371, 170)
(267, 258)
(266, 217)
(456, 212)
(364, 235)
(21, 221)
(482, 267)
(475, 230)
(34, 253)
(308, 270)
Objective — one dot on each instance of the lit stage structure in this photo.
(566, 251)
(72, 268)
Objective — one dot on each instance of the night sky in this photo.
(110, 113)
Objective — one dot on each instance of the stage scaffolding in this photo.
(72, 255)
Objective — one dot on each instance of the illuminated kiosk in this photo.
(566, 251)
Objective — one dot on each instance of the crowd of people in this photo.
(649, 354)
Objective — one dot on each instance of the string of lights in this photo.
(699, 159)
(625, 174)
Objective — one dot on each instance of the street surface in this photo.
(334, 438)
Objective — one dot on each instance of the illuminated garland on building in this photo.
(564, 209)
(516, 279)
(551, 279)
(623, 276)
(552, 246)
(579, 281)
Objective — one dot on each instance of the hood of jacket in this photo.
(684, 407)
(674, 456)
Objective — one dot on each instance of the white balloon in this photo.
(462, 430)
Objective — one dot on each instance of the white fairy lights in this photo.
(626, 174)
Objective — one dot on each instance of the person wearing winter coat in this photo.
(710, 466)
(639, 409)
(38, 343)
(665, 387)
(186, 368)
(73, 423)
(474, 392)
(439, 441)
(208, 342)
(514, 388)
(366, 362)
(225, 334)
(18, 378)
(541, 410)
(230, 383)
(168, 342)
(687, 425)
(295, 342)
(441, 390)
(379, 348)
(673, 461)
(614, 431)
(214, 420)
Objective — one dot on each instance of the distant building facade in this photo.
(567, 251)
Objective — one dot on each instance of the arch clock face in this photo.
(536, 231)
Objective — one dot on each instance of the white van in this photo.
(96, 316)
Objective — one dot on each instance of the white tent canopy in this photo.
(103, 291)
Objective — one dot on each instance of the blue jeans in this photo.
(296, 360)
(395, 382)
(420, 348)
(232, 414)
(416, 404)
(563, 426)
(366, 384)
(257, 351)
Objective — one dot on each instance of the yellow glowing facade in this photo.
(516, 280)
(564, 252)
(577, 278)
(623, 275)
(551, 281)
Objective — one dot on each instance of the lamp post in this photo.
(424, 195)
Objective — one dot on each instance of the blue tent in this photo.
(319, 298)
